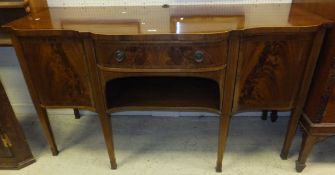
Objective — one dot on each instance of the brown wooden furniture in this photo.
(318, 119)
(14, 150)
(14, 9)
(259, 62)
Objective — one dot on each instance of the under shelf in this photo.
(12, 4)
(163, 93)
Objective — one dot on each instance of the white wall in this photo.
(62, 3)
(12, 78)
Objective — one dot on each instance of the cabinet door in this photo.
(5, 151)
(14, 150)
(330, 109)
(58, 70)
(5, 122)
(270, 70)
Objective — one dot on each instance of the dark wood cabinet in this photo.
(318, 118)
(249, 63)
(14, 150)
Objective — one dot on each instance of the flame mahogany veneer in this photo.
(223, 59)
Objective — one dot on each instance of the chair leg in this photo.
(107, 131)
(290, 133)
(274, 116)
(264, 115)
(46, 127)
(306, 146)
(223, 134)
(76, 113)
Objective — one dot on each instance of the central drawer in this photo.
(161, 55)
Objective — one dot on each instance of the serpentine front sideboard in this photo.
(218, 58)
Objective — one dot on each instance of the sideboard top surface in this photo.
(138, 20)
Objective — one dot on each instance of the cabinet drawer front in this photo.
(166, 55)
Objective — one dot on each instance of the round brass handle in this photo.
(119, 55)
(198, 56)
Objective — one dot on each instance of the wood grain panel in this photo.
(318, 118)
(163, 55)
(330, 109)
(15, 154)
(271, 70)
(322, 87)
(319, 106)
(320, 103)
(58, 70)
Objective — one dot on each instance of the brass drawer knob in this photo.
(119, 55)
(198, 56)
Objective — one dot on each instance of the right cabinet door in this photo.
(270, 70)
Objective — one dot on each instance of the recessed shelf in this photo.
(163, 93)
(12, 4)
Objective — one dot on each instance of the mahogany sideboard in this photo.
(218, 58)
(14, 150)
(318, 119)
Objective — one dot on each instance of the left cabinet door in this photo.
(58, 70)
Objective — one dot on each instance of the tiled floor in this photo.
(168, 145)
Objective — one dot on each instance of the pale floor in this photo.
(168, 145)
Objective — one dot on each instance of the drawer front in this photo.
(166, 55)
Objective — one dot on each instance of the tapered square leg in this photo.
(274, 116)
(223, 134)
(76, 113)
(307, 144)
(218, 167)
(290, 133)
(107, 132)
(47, 130)
(264, 115)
